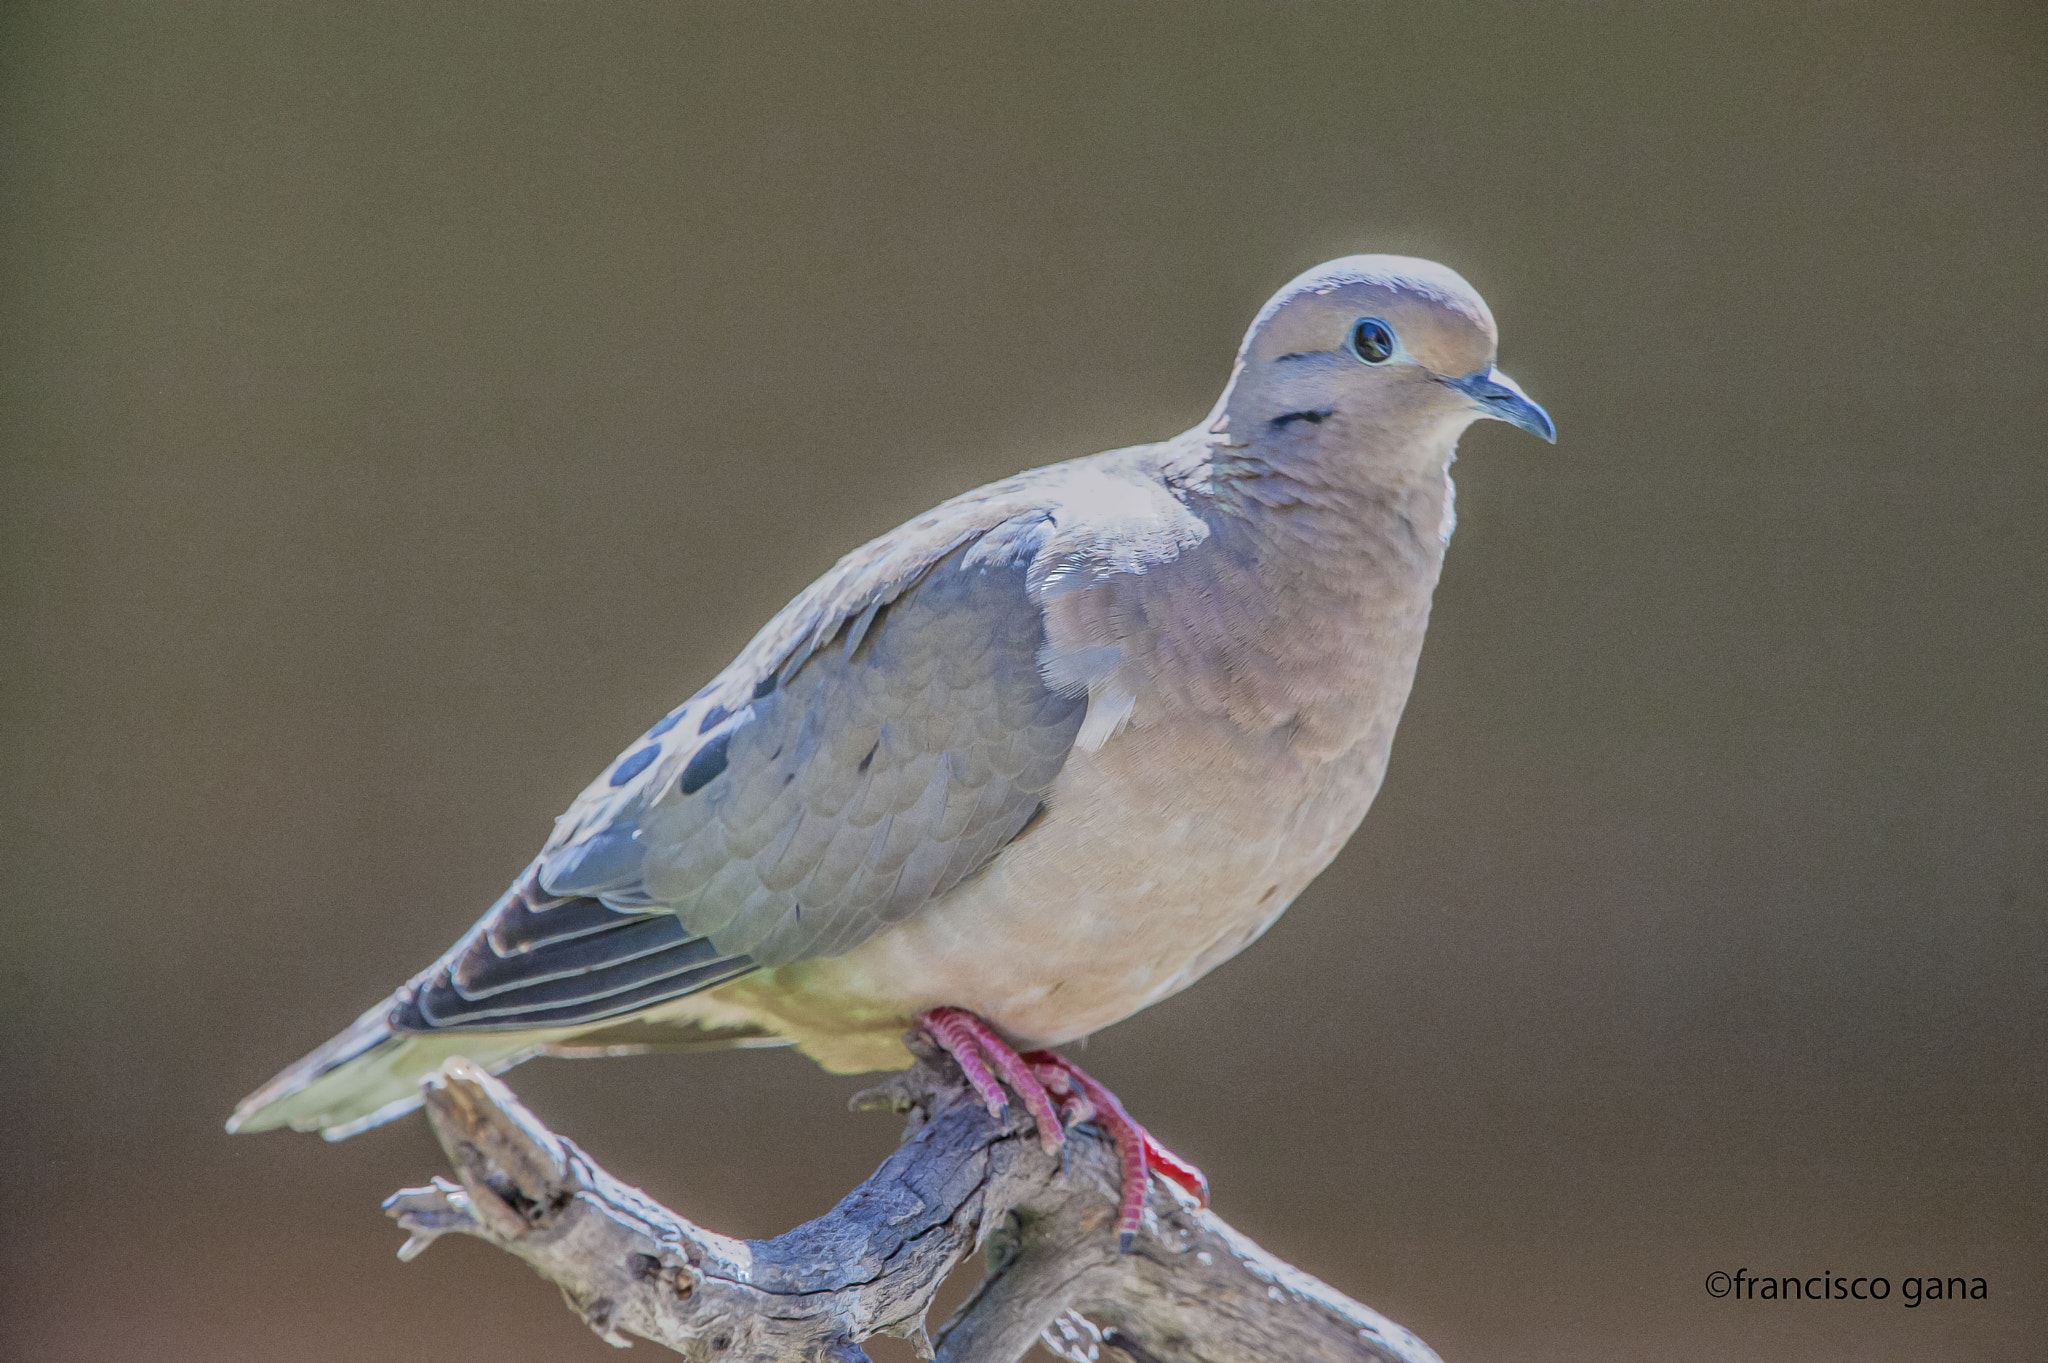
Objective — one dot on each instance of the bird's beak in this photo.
(1500, 397)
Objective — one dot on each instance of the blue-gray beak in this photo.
(1501, 398)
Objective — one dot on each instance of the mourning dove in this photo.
(1035, 760)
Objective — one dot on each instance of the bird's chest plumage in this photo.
(1255, 741)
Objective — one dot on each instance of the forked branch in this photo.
(1191, 1289)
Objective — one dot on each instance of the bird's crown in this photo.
(1429, 310)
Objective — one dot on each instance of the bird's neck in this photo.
(1346, 549)
(1359, 542)
(1338, 500)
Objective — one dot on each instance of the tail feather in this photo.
(370, 1074)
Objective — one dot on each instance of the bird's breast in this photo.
(1259, 706)
(1147, 870)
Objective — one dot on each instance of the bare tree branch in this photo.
(1192, 1288)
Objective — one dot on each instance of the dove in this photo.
(1034, 760)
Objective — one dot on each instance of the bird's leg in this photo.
(1074, 1105)
(949, 1027)
(1053, 1087)
(1137, 1151)
(977, 1047)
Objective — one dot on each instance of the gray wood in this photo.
(1191, 1289)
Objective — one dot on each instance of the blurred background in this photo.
(404, 405)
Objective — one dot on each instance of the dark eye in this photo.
(1372, 340)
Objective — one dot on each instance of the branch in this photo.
(1191, 1289)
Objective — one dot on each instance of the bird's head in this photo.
(1384, 349)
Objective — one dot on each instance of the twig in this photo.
(1191, 1289)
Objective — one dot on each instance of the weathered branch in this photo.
(1191, 1289)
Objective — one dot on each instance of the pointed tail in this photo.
(370, 1074)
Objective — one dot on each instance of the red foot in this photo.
(1036, 1077)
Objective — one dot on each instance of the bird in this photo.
(1031, 762)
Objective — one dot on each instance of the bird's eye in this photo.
(1372, 340)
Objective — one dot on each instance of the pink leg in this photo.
(948, 1027)
(1075, 1085)
(1173, 1167)
(1136, 1150)
(1074, 1105)
(1130, 1146)
(1036, 1077)
(976, 1046)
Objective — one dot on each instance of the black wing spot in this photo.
(764, 686)
(865, 761)
(635, 764)
(714, 717)
(704, 768)
(1313, 418)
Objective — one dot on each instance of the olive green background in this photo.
(404, 405)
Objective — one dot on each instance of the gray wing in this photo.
(877, 743)
(860, 774)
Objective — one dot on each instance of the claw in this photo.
(948, 1027)
(1058, 1093)
(1130, 1139)
(977, 1047)
(1051, 1135)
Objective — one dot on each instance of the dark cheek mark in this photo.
(705, 766)
(714, 717)
(635, 764)
(1280, 423)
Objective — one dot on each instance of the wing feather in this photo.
(881, 740)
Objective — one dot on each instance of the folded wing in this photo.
(879, 742)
